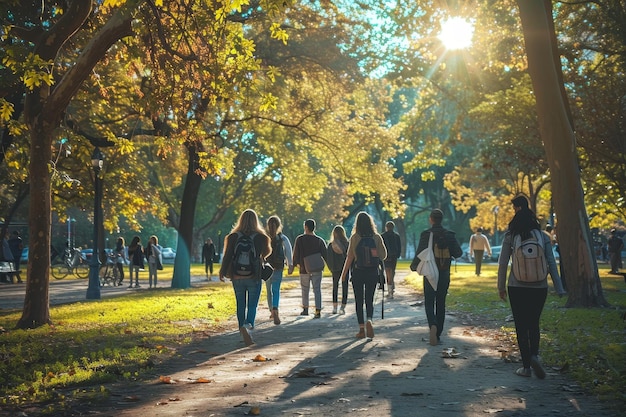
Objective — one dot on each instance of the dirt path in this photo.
(315, 367)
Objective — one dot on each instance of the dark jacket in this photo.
(393, 244)
(261, 246)
(306, 245)
(336, 260)
(450, 238)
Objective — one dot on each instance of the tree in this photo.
(556, 129)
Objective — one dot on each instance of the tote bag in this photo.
(314, 263)
(427, 266)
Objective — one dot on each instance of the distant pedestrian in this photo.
(155, 261)
(615, 245)
(247, 287)
(6, 256)
(208, 257)
(478, 245)
(364, 270)
(526, 298)
(337, 252)
(17, 247)
(135, 257)
(394, 250)
(281, 254)
(305, 245)
(445, 247)
(120, 258)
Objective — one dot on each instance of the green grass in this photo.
(587, 343)
(126, 336)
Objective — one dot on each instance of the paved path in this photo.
(316, 367)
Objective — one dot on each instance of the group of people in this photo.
(311, 255)
(11, 252)
(134, 255)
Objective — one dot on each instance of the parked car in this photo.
(168, 254)
(495, 252)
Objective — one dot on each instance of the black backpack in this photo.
(277, 257)
(245, 258)
(367, 253)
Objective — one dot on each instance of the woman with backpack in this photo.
(527, 281)
(281, 251)
(365, 251)
(337, 253)
(244, 249)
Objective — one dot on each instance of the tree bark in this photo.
(573, 233)
(182, 264)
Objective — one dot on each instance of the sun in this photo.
(456, 33)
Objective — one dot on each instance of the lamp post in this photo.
(495, 225)
(93, 290)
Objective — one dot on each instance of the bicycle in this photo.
(73, 263)
(109, 273)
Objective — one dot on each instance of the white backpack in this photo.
(529, 258)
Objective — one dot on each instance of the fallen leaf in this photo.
(203, 380)
(254, 411)
(166, 380)
(162, 403)
(260, 358)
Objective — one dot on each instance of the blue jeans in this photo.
(272, 286)
(247, 293)
(435, 301)
(364, 282)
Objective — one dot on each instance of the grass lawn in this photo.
(128, 334)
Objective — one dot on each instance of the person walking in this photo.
(155, 262)
(478, 244)
(366, 250)
(445, 247)
(7, 256)
(247, 288)
(310, 245)
(17, 247)
(394, 251)
(120, 258)
(208, 256)
(526, 298)
(337, 252)
(615, 245)
(135, 256)
(281, 253)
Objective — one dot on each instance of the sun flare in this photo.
(456, 33)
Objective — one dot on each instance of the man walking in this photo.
(309, 252)
(394, 250)
(616, 244)
(478, 244)
(445, 246)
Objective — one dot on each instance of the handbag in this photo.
(266, 271)
(427, 265)
(314, 263)
(159, 264)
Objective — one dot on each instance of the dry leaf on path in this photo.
(260, 358)
(166, 380)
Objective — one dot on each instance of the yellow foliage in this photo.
(6, 110)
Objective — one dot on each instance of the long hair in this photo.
(523, 222)
(274, 226)
(120, 243)
(248, 223)
(135, 242)
(339, 235)
(364, 225)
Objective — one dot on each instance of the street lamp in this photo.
(496, 209)
(93, 290)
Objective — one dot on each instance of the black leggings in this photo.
(344, 288)
(364, 282)
(527, 305)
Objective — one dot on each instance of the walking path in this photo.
(316, 367)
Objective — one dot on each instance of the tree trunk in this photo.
(182, 264)
(36, 301)
(574, 236)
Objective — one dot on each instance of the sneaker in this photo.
(304, 312)
(334, 310)
(245, 334)
(537, 368)
(342, 310)
(433, 335)
(137, 286)
(317, 314)
(369, 329)
(523, 372)
(130, 286)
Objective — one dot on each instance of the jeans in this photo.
(478, 259)
(435, 301)
(272, 286)
(152, 272)
(364, 282)
(344, 288)
(247, 294)
(134, 268)
(306, 280)
(527, 305)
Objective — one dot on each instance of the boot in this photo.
(305, 311)
(361, 333)
(275, 316)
